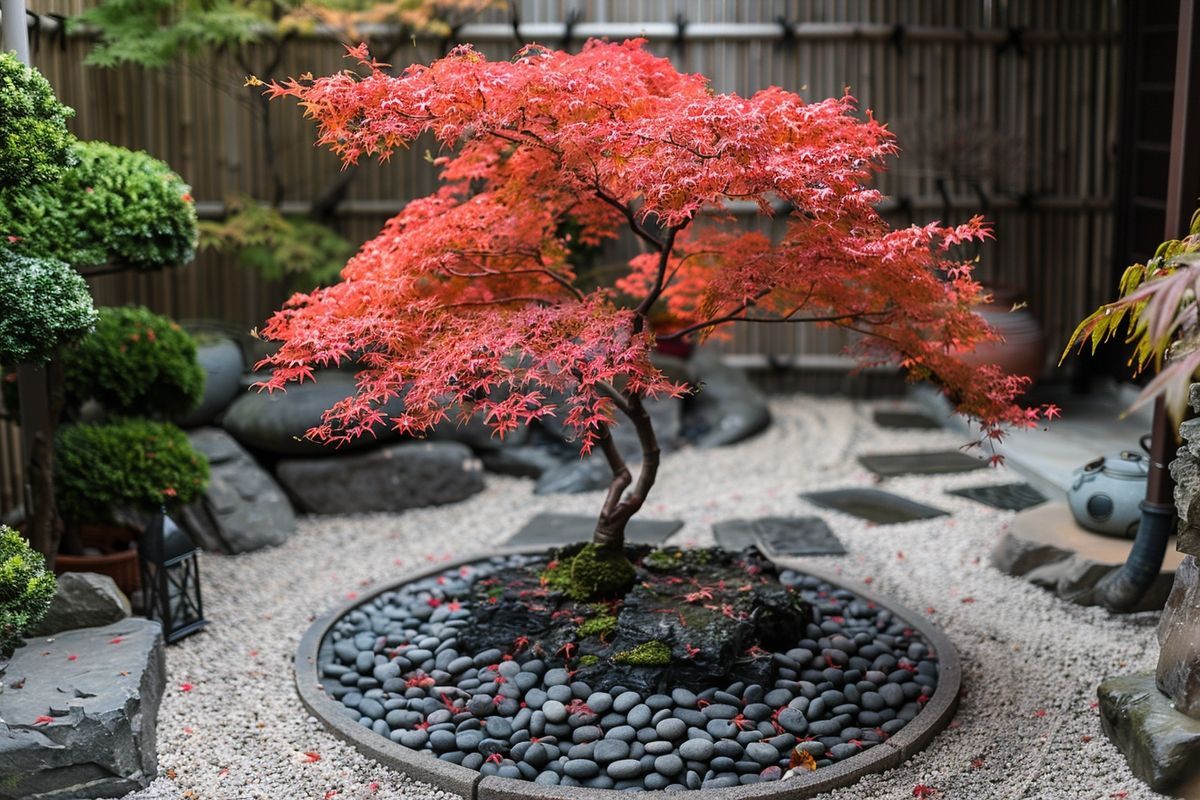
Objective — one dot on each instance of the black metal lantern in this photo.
(171, 578)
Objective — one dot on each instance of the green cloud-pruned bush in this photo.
(45, 303)
(117, 207)
(26, 588)
(135, 363)
(34, 141)
(129, 464)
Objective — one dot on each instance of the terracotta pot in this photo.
(117, 556)
(1023, 351)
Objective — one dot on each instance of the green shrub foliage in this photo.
(116, 208)
(136, 363)
(129, 464)
(35, 145)
(44, 303)
(26, 588)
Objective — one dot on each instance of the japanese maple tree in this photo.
(466, 302)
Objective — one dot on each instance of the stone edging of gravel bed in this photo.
(470, 784)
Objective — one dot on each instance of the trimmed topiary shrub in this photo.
(35, 146)
(117, 207)
(26, 588)
(45, 302)
(136, 363)
(130, 464)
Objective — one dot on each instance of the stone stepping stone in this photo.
(905, 420)
(553, 529)
(877, 506)
(1008, 496)
(779, 536)
(934, 462)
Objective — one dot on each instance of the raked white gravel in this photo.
(1027, 726)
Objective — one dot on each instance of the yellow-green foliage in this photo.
(1156, 306)
(589, 660)
(647, 654)
(26, 588)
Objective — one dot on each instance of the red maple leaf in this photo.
(1041, 712)
(72, 657)
(921, 790)
(310, 757)
(116, 640)
(186, 687)
(43, 720)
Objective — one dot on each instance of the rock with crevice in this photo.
(1161, 745)
(243, 509)
(1178, 673)
(78, 713)
(83, 600)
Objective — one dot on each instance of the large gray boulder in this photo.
(276, 422)
(390, 478)
(243, 509)
(221, 360)
(83, 600)
(727, 407)
(102, 708)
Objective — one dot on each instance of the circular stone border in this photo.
(422, 765)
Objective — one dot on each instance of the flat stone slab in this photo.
(1008, 496)
(933, 462)
(80, 711)
(905, 420)
(779, 536)
(875, 505)
(548, 529)
(1160, 744)
(1049, 549)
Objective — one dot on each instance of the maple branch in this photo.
(651, 455)
(501, 301)
(787, 318)
(488, 272)
(660, 277)
(637, 227)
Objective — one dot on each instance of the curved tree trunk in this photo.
(618, 508)
(42, 399)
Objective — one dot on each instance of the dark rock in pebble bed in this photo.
(849, 678)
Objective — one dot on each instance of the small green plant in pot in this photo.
(107, 474)
(134, 464)
(26, 588)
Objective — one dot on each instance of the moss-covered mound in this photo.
(692, 618)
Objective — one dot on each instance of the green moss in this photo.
(589, 660)
(647, 654)
(661, 559)
(590, 574)
(601, 625)
(495, 592)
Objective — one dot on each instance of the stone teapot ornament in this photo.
(1106, 494)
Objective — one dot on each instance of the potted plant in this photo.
(103, 472)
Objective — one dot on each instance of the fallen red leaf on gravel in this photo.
(310, 757)
(1085, 739)
(116, 640)
(72, 657)
(186, 687)
(374, 787)
(1041, 712)
(921, 790)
